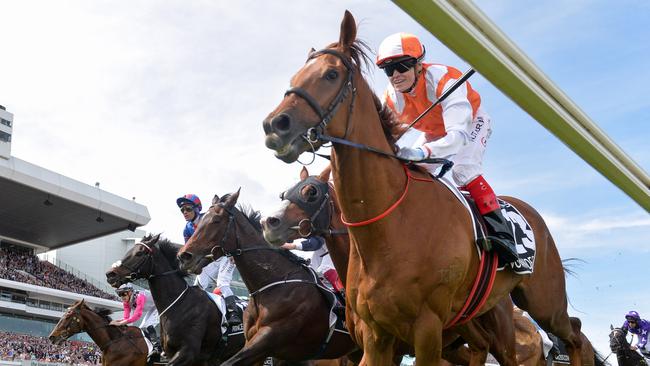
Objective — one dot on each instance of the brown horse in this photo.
(310, 208)
(530, 350)
(287, 315)
(123, 346)
(413, 258)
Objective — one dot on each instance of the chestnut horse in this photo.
(288, 316)
(413, 258)
(120, 346)
(310, 208)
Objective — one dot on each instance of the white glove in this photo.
(411, 154)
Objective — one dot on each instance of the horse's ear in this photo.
(82, 302)
(611, 327)
(304, 173)
(155, 239)
(311, 50)
(232, 198)
(325, 174)
(348, 30)
(215, 199)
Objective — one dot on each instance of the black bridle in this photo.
(135, 272)
(319, 209)
(317, 133)
(231, 225)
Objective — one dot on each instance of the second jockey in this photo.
(641, 327)
(321, 262)
(218, 272)
(457, 129)
(139, 305)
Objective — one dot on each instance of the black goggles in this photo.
(401, 66)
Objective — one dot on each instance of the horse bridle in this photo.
(316, 223)
(136, 271)
(238, 249)
(314, 134)
(317, 133)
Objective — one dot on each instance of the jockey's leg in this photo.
(152, 336)
(333, 278)
(223, 282)
(499, 231)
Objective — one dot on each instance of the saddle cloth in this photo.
(520, 229)
(227, 329)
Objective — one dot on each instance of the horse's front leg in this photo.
(186, 355)
(378, 347)
(255, 350)
(427, 339)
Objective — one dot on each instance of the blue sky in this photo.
(157, 99)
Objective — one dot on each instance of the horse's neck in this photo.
(165, 289)
(338, 245)
(259, 268)
(98, 328)
(367, 183)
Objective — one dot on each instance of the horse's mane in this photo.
(389, 123)
(169, 250)
(104, 313)
(252, 216)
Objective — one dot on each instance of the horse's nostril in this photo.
(185, 256)
(272, 222)
(281, 123)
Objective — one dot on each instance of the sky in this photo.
(158, 99)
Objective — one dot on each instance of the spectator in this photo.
(15, 347)
(27, 268)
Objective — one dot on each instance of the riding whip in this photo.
(445, 94)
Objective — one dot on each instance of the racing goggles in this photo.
(400, 66)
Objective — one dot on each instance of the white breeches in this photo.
(218, 273)
(321, 261)
(149, 318)
(468, 163)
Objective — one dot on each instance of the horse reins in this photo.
(317, 133)
(136, 271)
(76, 317)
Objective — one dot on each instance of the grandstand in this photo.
(41, 211)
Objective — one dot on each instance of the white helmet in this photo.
(399, 46)
(124, 288)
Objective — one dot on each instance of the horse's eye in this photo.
(332, 75)
(139, 253)
(312, 191)
(282, 196)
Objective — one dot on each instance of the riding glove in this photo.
(411, 154)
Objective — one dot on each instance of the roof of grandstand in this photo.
(46, 210)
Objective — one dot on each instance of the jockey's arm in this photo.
(457, 114)
(643, 334)
(310, 244)
(137, 312)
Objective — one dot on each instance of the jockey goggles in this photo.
(187, 208)
(401, 66)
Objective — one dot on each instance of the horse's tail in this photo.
(599, 360)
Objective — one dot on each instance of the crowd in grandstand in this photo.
(16, 347)
(25, 267)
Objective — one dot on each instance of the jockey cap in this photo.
(632, 315)
(189, 199)
(399, 47)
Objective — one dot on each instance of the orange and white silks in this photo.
(456, 129)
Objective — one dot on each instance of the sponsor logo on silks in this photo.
(237, 328)
(477, 128)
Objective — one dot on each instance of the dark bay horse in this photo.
(288, 315)
(619, 345)
(310, 208)
(120, 346)
(190, 322)
(414, 295)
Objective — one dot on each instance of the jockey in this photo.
(140, 305)
(457, 129)
(321, 262)
(218, 272)
(638, 326)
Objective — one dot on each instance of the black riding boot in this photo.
(500, 237)
(150, 333)
(232, 310)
